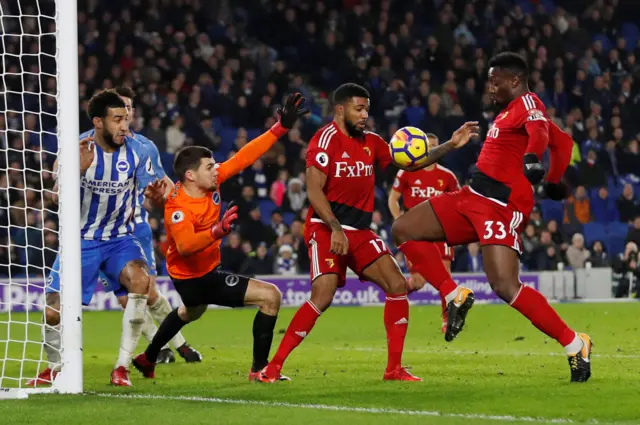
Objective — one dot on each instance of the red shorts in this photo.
(365, 247)
(445, 250)
(468, 217)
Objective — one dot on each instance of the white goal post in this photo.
(22, 356)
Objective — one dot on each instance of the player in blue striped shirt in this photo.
(113, 166)
(159, 306)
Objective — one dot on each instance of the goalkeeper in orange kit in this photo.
(194, 232)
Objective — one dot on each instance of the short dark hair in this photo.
(512, 61)
(189, 159)
(347, 91)
(101, 102)
(125, 91)
(433, 136)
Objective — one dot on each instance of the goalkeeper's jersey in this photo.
(108, 191)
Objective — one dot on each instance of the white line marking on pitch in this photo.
(488, 353)
(375, 410)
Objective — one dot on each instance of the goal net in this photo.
(39, 124)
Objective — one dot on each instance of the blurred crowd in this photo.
(213, 73)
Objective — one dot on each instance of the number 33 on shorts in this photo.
(498, 233)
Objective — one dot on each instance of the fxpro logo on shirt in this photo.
(359, 169)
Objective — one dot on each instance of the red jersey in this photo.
(349, 164)
(418, 186)
(502, 155)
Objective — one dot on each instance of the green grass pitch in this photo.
(500, 370)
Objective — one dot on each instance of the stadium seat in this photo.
(616, 245)
(220, 156)
(527, 7)
(227, 138)
(606, 43)
(266, 208)
(594, 232)
(618, 228)
(288, 218)
(552, 210)
(166, 159)
(549, 6)
(615, 190)
(217, 124)
(631, 34)
(252, 133)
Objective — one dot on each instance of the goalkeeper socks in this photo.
(396, 322)
(535, 307)
(263, 325)
(426, 259)
(132, 322)
(300, 326)
(159, 311)
(168, 329)
(52, 344)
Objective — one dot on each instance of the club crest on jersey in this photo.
(330, 262)
(502, 116)
(216, 197)
(440, 182)
(367, 150)
(122, 166)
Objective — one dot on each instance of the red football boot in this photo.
(271, 374)
(46, 377)
(120, 377)
(254, 376)
(399, 374)
(144, 366)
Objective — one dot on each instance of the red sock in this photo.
(535, 307)
(396, 321)
(426, 259)
(300, 326)
(443, 302)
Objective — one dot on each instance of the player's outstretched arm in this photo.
(459, 138)
(287, 116)
(316, 180)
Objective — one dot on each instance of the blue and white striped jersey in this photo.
(141, 215)
(109, 189)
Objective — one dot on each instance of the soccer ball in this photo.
(409, 146)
